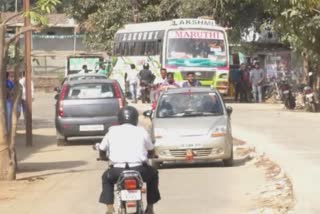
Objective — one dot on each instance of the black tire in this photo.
(313, 107)
(229, 161)
(143, 96)
(61, 140)
(290, 103)
(140, 209)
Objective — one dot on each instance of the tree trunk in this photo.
(4, 147)
(305, 68)
(14, 119)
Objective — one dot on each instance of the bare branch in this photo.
(316, 10)
(23, 30)
(12, 17)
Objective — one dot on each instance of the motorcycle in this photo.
(287, 97)
(272, 90)
(310, 100)
(128, 191)
(145, 89)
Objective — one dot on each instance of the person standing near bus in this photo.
(103, 70)
(256, 78)
(132, 78)
(146, 78)
(191, 82)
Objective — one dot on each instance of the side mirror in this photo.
(229, 110)
(56, 96)
(148, 113)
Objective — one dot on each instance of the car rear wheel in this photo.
(61, 140)
(229, 161)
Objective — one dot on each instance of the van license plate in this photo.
(130, 195)
(88, 128)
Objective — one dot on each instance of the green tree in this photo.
(7, 138)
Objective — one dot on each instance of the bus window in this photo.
(116, 48)
(150, 49)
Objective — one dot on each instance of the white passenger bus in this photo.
(179, 45)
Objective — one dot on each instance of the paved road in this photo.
(66, 180)
(290, 138)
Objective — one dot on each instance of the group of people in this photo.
(22, 107)
(102, 70)
(166, 81)
(248, 83)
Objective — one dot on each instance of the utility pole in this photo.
(27, 58)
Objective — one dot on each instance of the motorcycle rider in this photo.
(146, 79)
(129, 149)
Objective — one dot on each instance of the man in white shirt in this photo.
(22, 82)
(132, 77)
(128, 144)
(84, 70)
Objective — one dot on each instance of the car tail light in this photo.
(118, 94)
(130, 184)
(131, 204)
(61, 98)
(154, 105)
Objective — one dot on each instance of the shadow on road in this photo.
(39, 142)
(42, 166)
(37, 123)
(42, 176)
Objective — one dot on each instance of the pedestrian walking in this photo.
(132, 78)
(191, 82)
(257, 77)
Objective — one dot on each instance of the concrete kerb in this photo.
(276, 196)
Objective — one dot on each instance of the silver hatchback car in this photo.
(191, 124)
(87, 108)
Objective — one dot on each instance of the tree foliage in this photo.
(296, 21)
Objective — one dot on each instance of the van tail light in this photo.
(131, 204)
(130, 184)
(118, 94)
(61, 98)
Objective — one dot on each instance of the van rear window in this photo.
(91, 91)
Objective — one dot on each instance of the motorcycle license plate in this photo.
(286, 92)
(130, 195)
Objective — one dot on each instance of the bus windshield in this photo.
(196, 48)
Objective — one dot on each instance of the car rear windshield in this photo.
(91, 91)
(189, 105)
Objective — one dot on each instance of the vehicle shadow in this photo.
(39, 142)
(42, 176)
(37, 123)
(83, 142)
(43, 166)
